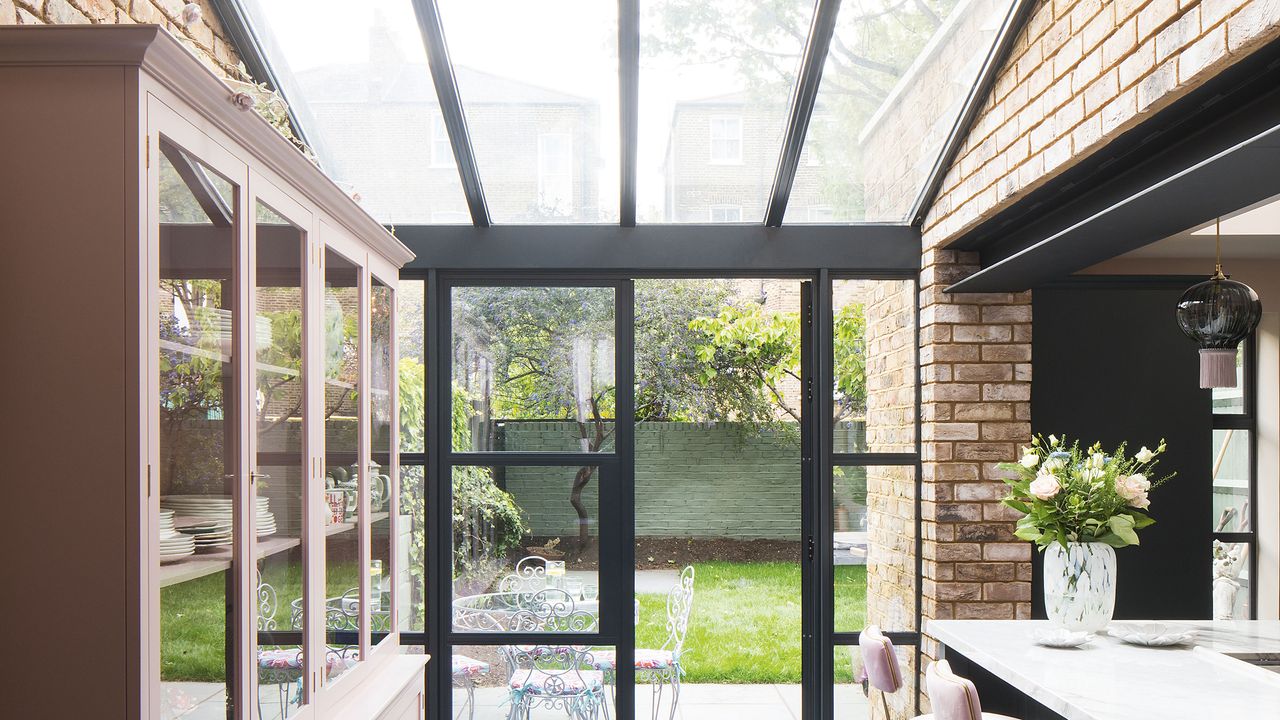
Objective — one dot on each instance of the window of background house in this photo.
(726, 213)
(726, 139)
(441, 150)
(555, 173)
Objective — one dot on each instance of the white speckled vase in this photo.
(1080, 585)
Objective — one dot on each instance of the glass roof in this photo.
(894, 84)
(364, 94)
(538, 85)
(715, 87)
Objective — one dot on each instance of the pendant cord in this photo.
(1217, 233)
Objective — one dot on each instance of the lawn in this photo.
(745, 626)
(193, 618)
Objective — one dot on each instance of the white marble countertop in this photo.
(1110, 680)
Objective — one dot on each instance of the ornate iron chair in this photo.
(660, 667)
(555, 678)
(530, 576)
(281, 667)
(466, 671)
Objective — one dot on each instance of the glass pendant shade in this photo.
(1218, 314)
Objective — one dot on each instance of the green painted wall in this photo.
(692, 480)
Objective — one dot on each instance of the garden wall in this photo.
(703, 480)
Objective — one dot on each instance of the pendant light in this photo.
(1218, 313)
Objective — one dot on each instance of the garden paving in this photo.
(697, 702)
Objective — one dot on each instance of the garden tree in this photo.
(702, 354)
(750, 352)
(874, 43)
(551, 353)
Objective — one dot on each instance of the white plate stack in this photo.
(195, 508)
(208, 534)
(173, 544)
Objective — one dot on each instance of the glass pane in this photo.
(381, 373)
(1231, 481)
(539, 85)
(715, 80)
(498, 682)
(1230, 401)
(874, 338)
(411, 332)
(894, 83)
(357, 76)
(533, 368)
(280, 464)
(873, 541)
(718, 496)
(199, 448)
(526, 549)
(854, 700)
(411, 589)
(342, 443)
(1231, 582)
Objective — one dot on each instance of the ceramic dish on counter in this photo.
(1056, 637)
(1151, 634)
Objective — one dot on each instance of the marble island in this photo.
(1216, 678)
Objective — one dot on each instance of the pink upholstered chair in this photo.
(881, 664)
(953, 697)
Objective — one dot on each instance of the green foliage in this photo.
(748, 348)
(1070, 494)
(487, 523)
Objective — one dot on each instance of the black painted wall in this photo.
(1110, 364)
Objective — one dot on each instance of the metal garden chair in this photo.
(661, 667)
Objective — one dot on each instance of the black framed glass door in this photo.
(570, 480)
(532, 533)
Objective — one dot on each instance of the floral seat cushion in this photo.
(645, 659)
(557, 683)
(468, 668)
(281, 659)
(287, 659)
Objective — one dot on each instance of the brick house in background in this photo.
(377, 112)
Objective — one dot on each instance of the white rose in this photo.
(1091, 474)
(1097, 460)
(1133, 488)
(1045, 486)
(1053, 464)
(1144, 455)
(1030, 460)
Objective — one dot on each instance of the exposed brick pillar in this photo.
(975, 374)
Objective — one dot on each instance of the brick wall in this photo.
(1081, 72)
(692, 480)
(206, 37)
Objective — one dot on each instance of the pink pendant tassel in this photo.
(1217, 368)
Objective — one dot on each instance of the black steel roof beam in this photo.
(1014, 21)
(455, 121)
(628, 106)
(803, 96)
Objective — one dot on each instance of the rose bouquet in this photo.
(1070, 494)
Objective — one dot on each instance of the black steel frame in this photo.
(1248, 422)
(617, 507)
(803, 96)
(455, 120)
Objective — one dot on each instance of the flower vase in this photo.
(1080, 585)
